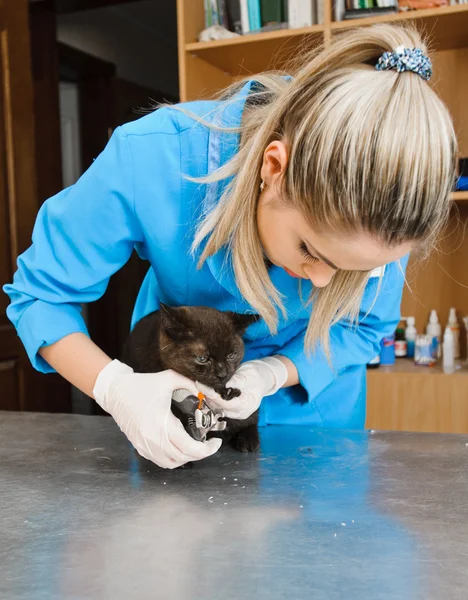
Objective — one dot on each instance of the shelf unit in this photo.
(205, 67)
(460, 197)
(407, 397)
(439, 282)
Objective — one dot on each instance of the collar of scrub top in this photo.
(221, 147)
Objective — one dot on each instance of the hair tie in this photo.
(406, 59)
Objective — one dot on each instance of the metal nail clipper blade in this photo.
(196, 417)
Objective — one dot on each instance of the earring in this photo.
(262, 186)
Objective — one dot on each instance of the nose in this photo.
(221, 372)
(319, 274)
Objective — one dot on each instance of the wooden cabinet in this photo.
(411, 398)
(17, 182)
(21, 388)
(408, 398)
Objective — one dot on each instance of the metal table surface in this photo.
(316, 514)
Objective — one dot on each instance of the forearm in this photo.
(77, 359)
(293, 375)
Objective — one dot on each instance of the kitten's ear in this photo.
(172, 322)
(241, 322)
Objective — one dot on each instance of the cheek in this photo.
(268, 230)
(232, 367)
(204, 369)
(278, 247)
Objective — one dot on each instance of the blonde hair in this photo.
(369, 151)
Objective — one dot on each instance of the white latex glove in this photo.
(140, 403)
(255, 379)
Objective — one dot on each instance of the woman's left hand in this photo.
(255, 380)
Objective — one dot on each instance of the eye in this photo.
(231, 356)
(306, 254)
(202, 360)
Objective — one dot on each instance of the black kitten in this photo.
(203, 344)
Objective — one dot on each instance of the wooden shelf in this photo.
(208, 66)
(406, 367)
(253, 38)
(257, 51)
(400, 16)
(460, 197)
(406, 397)
(447, 25)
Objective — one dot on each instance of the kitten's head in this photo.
(204, 344)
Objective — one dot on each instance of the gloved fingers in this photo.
(186, 446)
(180, 382)
(214, 400)
(162, 460)
(241, 407)
(176, 457)
(217, 402)
(238, 380)
(156, 446)
(209, 447)
(209, 392)
(233, 409)
(239, 415)
(179, 458)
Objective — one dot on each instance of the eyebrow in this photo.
(328, 262)
(321, 257)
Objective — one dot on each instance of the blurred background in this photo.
(73, 70)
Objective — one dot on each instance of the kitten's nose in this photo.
(221, 373)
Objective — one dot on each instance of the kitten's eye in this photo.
(202, 359)
(231, 356)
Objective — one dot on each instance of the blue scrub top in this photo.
(135, 196)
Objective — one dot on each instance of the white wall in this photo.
(139, 38)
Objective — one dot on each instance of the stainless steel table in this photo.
(316, 515)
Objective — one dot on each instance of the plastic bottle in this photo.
(401, 347)
(423, 351)
(435, 331)
(449, 351)
(387, 350)
(452, 323)
(410, 334)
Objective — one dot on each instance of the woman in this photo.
(341, 170)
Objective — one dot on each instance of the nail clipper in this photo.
(195, 415)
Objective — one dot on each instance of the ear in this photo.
(241, 322)
(275, 161)
(172, 322)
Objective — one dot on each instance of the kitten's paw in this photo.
(227, 393)
(247, 440)
(232, 393)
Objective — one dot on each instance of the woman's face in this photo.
(291, 243)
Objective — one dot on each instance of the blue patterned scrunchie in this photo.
(406, 59)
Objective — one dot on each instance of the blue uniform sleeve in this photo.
(81, 237)
(352, 346)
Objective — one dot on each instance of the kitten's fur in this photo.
(173, 338)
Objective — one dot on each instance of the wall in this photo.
(139, 38)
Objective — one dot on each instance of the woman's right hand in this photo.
(140, 403)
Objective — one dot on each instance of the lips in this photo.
(292, 273)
